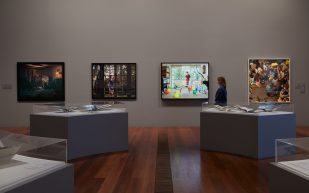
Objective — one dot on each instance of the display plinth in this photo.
(87, 133)
(248, 134)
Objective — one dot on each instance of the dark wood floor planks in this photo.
(193, 171)
(138, 175)
(163, 176)
(124, 172)
(185, 159)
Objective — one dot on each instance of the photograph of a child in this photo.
(184, 81)
(269, 80)
(114, 81)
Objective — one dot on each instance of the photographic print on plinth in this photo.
(185, 81)
(40, 81)
(114, 81)
(269, 80)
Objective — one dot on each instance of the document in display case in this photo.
(250, 108)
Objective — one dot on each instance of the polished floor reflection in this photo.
(193, 171)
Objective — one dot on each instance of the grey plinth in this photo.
(283, 180)
(248, 134)
(60, 181)
(87, 133)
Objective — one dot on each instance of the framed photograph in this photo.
(188, 81)
(114, 81)
(40, 81)
(269, 80)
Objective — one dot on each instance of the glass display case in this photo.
(293, 154)
(12, 144)
(80, 108)
(24, 158)
(249, 108)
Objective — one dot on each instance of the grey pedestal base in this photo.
(251, 135)
(87, 133)
(60, 181)
(282, 180)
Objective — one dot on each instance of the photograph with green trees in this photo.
(114, 81)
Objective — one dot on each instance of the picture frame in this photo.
(114, 81)
(181, 88)
(269, 80)
(40, 81)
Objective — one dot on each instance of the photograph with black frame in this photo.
(40, 81)
(114, 81)
(185, 81)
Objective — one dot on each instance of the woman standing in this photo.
(221, 94)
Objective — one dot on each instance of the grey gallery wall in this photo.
(147, 32)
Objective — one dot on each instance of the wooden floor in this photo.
(193, 171)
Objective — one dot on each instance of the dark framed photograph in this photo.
(40, 81)
(114, 81)
(185, 81)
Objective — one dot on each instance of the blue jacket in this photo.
(221, 96)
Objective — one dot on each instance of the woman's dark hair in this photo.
(221, 81)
